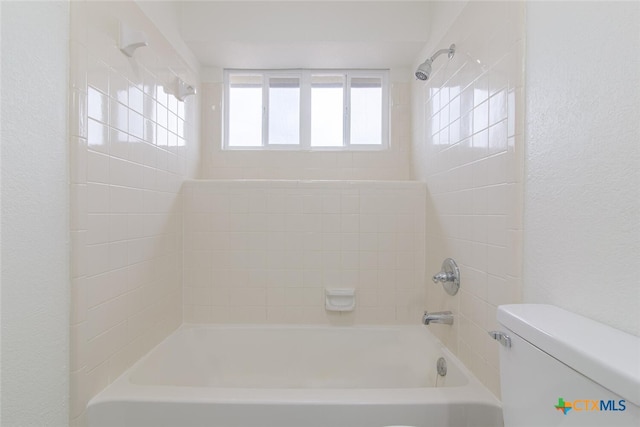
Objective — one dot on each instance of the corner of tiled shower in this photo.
(131, 145)
(468, 147)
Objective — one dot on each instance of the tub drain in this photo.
(442, 367)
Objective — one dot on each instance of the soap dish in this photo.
(340, 299)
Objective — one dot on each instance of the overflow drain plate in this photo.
(442, 367)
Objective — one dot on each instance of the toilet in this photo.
(558, 368)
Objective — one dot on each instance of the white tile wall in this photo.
(468, 149)
(130, 150)
(392, 164)
(263, 251)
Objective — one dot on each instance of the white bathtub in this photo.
(295, 376)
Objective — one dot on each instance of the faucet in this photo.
(445, 317)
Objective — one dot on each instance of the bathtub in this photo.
(295, 376)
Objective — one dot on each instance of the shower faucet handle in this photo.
(442, 277)
(449, 276)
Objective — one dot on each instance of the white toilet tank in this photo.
(563, 369)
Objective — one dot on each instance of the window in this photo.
(306, 109)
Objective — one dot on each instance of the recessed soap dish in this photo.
(342, 299)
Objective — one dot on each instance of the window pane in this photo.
(366, 110)
(284, 110)
(245, 111)
(327, 107)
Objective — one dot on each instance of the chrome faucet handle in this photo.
(449, 276)
(441, 277)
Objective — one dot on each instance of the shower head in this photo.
(183, 90)
(424, 70)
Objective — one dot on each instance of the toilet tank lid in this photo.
(604, 354)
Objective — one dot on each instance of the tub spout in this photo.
(445, 317)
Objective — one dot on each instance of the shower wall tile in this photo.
(126, 209)
(263, 251)
(392, 164)
(468, 149)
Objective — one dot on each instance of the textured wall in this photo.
(132, 146)
(468, 149)
(35, 200)
(582, 200)
(264, 251)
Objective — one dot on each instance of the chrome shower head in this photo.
(424, 70)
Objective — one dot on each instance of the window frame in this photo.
(305, 108)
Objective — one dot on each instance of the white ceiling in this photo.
(304, 34)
